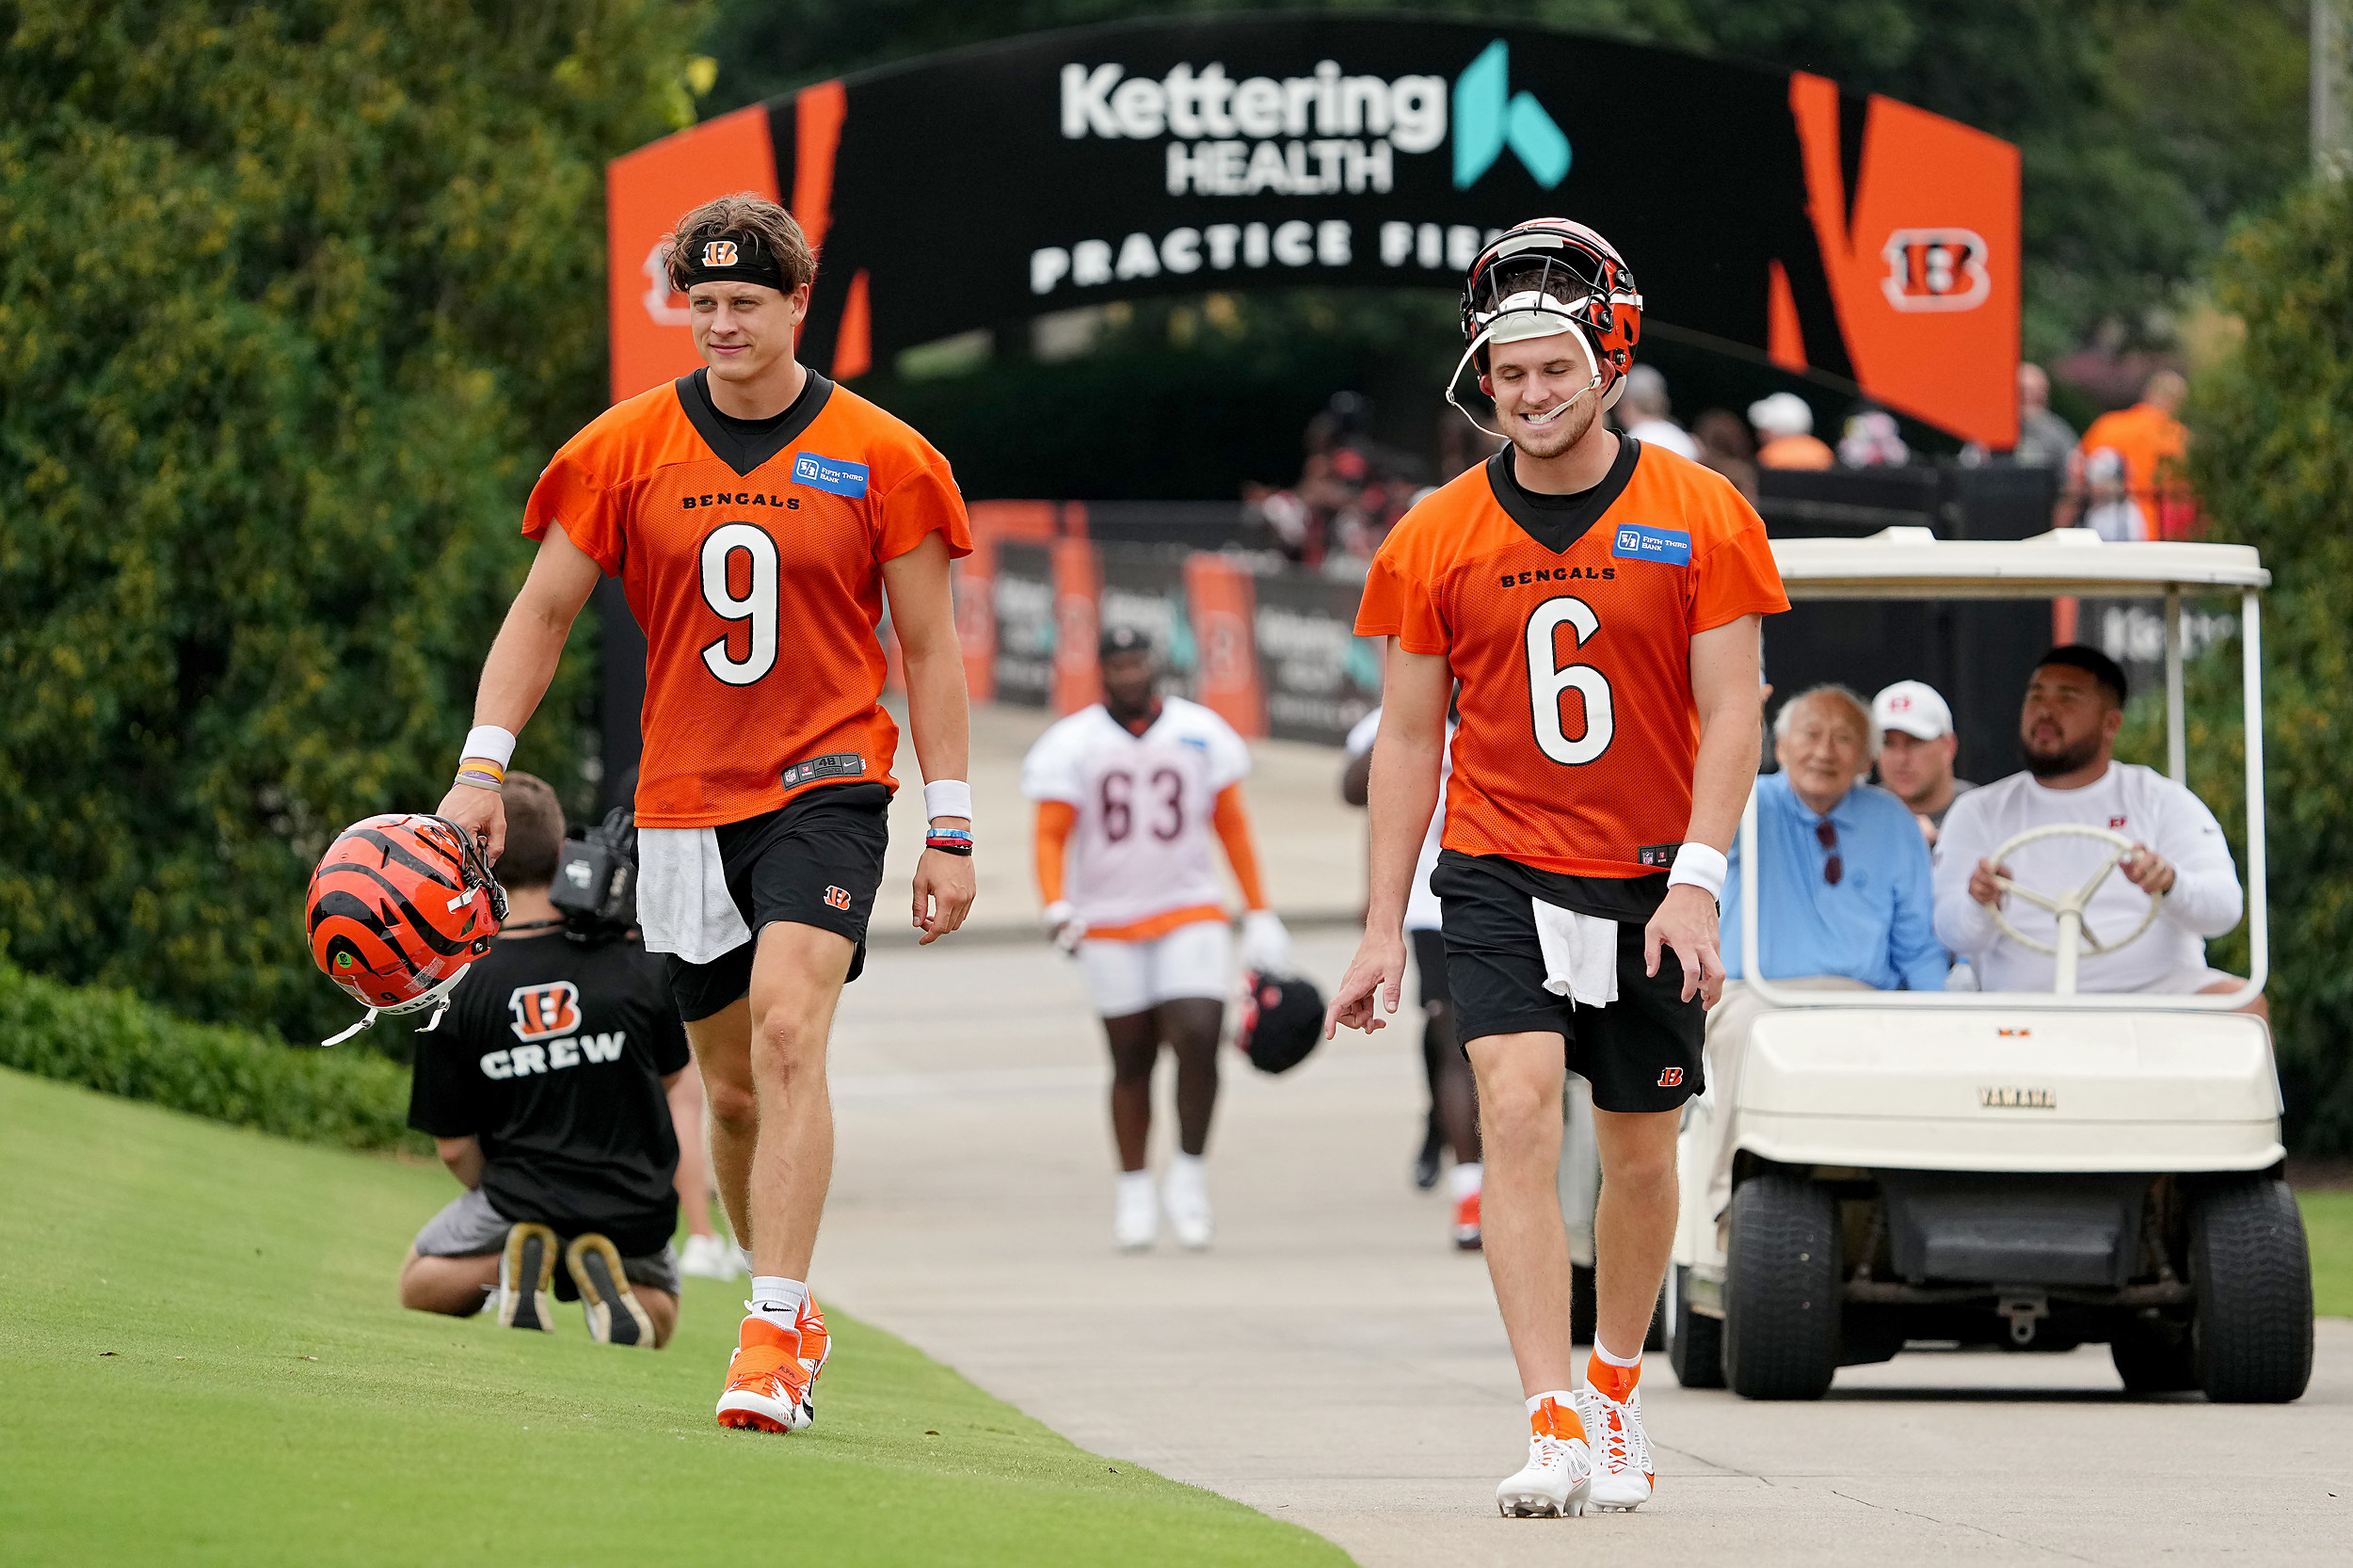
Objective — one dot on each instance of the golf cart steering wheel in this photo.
(2075, 938)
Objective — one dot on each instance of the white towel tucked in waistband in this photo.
(1580, 954)
(683, 905)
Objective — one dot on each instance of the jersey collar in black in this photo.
(738, 452)
(1559, 521)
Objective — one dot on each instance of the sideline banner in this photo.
(1854, 238)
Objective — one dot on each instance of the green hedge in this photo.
(112, 1041)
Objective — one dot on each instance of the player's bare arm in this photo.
(1725, 689)
(521, 663)
(939, 715)
(1406, 759)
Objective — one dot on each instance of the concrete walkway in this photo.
(1335, 1362)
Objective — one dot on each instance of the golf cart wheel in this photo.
(2253, 1336)
(2155, 1358)
(1782, 1290)
(1698, 1343)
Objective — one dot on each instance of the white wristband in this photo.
(1699, 866)
(488, 739)
(948, 798)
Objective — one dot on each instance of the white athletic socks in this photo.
(1562, 1396)
(1189, 1170)
(1465, 1179)
(777, 1299)
(1135, 1181)
(1608, 1357)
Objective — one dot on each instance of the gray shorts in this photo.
(468, 1226)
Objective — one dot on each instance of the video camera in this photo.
(596, 878)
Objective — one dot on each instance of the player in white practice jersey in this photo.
(1129, 793)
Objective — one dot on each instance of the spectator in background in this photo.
(2112, 513)
(1871, 439)
(1643, 413)
(1916, 750)
(2044, 440)
(2153, 443)
(1845, 900)
(1350, 491)
(1784, 434)
(1726, 446)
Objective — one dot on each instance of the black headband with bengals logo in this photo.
(733, 259)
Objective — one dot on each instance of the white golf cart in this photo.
(2030, 1171)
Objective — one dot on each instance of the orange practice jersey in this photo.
(1578, 731)
(757, 574)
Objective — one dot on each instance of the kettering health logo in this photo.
(1489, 117)
(1317, 135)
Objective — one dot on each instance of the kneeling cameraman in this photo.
(544, 1090)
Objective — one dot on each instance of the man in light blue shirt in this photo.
(1845, 902)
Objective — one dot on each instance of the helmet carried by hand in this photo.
(400, 907)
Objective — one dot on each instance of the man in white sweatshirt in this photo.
(2074, 707)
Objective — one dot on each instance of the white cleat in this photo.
(1136, 1221)
(1622, 1477)
(1557, 1479)
(1185, 1195)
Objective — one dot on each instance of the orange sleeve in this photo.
(1232, 820)
(1055, 818)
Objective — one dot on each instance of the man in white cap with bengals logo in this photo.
(1916, 750)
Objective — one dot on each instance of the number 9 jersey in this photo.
(752, 553)
(1569, 622)
(1138, 857)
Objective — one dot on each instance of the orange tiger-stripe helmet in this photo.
(399, 907)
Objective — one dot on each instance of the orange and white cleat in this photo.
(768, 1382)
(1466, 1223)
(1559, 1475)
(1622, 1476)
(816, 1347)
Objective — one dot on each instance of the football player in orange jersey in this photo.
(1599, 602)
(757, 515)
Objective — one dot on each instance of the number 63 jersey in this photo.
(1141, 846)
(1569, 621)
(752, 554)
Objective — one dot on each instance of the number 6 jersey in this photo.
(751, 552)
(1568, 620)
(1139, 852)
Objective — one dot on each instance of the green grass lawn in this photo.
(2328, 1227)
(202, 1362)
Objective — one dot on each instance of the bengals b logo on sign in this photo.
(543, 1012)
(719, 253)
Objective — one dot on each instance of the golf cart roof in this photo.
(1912, 563)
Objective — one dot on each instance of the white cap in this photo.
(1784, 414)
(1912, 707)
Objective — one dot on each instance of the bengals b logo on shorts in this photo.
(543, 1012)
(719, 253)
(1671, 1078)
(838, 897)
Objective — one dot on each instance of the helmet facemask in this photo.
(1542, 279)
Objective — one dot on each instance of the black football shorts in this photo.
(816, 861)
(1641, 1052)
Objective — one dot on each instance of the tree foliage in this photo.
(2271, 459)
(293, 303)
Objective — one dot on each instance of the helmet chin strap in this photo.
(1609, 399)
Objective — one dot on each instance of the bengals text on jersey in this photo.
(754, 565)
(1570, 629)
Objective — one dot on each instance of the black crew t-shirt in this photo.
(552, 1054)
